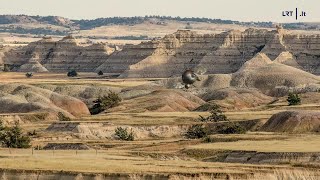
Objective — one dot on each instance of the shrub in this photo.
(196, 132)
(100, 73)
(216, 114)
(72, 73)
(62, 117)
(105, 102)
(6, 68)
(29, 74)
(32, 133)
(293, 99)
(232, 128)
(12, 137)
(122, 133)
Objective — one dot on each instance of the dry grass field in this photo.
(110, 162)
(298, 143)
(62, 79)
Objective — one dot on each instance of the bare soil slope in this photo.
(237, 98)
(161, 101)
(17, 98)
(264, 74)
(293, 122)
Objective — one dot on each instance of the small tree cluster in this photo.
(72, 73)
(105, 102)
(29, 74)
(216, 115)
(196, 132)
(293, 99)
(123, 134)
(12, 137)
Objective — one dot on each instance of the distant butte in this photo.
(222, 53)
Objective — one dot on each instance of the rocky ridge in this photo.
(58, 56)
(223, 53)
(214, 53)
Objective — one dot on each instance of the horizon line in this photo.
(182, 17)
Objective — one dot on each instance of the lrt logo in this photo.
(297, 13)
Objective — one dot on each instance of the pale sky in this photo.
(241, 10)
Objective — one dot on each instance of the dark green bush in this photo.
(105, 102)
(29, 74)
(196, 132)
(122, 133)
(293, 99)
(100, 73)
(12, 137)
(72, 73)
(231, 128)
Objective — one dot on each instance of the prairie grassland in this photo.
(62, 79)
(171, 118)
(293, 143)
(147, 118)
(112, 162)
(251, 136)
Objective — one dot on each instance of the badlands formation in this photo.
(238, 69)
(16, 98)
(56, 56)
(247, 73)
(167, 57)
(213, 53)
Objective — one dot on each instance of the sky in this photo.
(241, 10)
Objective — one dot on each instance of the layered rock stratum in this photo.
(19, 98)
(169, 56)
(214, 53)
(57, 56)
